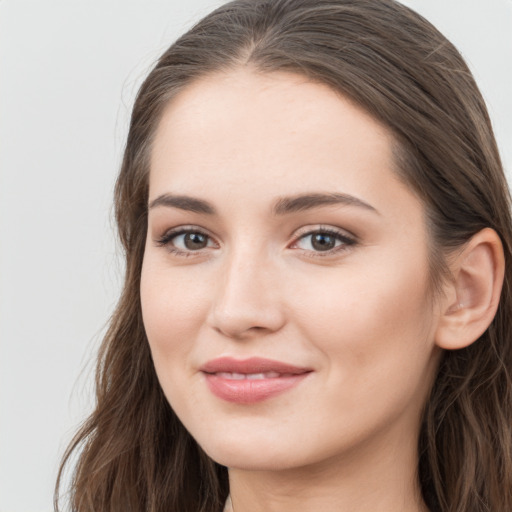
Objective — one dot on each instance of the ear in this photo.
(472, 296)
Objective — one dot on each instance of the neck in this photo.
(371, 480)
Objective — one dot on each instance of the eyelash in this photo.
(346, 241)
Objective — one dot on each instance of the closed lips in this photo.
(251, 376)
(254, 366)
(251, 380)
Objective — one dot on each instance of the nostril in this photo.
(240, 309)
(242, 328)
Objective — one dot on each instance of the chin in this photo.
(253, 460)
(259, 453)
(251, 453)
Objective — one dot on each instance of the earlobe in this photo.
(472, 296)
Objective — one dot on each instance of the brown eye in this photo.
(194, 241)
(323, 242)
(186, 241)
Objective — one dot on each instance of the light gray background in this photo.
(69, 70)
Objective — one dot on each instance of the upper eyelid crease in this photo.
(282, 206)
(348, 240)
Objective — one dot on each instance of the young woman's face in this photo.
(285, 284)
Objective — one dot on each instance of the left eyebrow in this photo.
(304, 202)
(282, 206)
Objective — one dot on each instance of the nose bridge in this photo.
(247, 298)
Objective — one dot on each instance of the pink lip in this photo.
(240, 390)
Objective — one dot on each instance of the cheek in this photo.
(174, 306)
(375, 335)
(173, 310)
(378, 320)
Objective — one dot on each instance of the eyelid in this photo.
(165, 239)
(323, 228)
(348, 240)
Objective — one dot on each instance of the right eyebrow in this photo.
(187, 203)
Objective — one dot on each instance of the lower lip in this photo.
(250, 391)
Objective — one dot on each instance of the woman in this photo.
(317, 296)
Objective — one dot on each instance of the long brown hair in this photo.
(133, 452)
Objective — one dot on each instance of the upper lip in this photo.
(251, 365)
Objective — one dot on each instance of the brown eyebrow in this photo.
(308, 201)
(187, 203)
(283, 205)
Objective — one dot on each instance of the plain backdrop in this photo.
(69, 70)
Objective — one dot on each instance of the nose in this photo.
(248, 298)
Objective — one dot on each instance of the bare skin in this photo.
(355, 311)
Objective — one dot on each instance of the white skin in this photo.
(360, 315)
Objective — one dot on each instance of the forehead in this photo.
(279, 133)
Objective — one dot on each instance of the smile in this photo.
(251, 380)
(249, 376)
